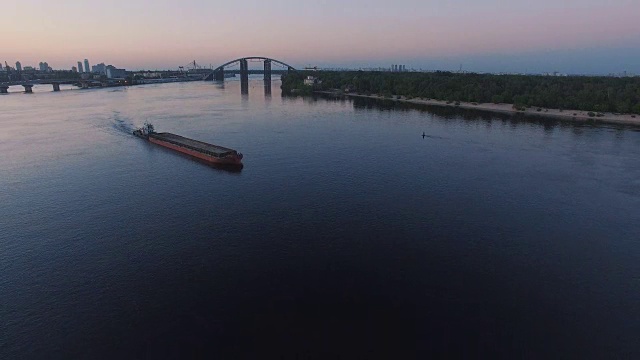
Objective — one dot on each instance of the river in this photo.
(347, 234)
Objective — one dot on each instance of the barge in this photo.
(210, 153)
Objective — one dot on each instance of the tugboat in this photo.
(208, 152)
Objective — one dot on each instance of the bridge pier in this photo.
(244, 76)
(218, 74)
(4, 89)
(28, 88)
(56, 86)
(267, 70)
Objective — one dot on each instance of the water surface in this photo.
(346, 235)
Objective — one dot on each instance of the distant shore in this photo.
(571, 115)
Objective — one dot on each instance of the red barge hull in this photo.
(232, 159)
(210, 153)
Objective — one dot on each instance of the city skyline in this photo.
(573, 36)
(82, 67)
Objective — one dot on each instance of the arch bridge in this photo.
(218, 73)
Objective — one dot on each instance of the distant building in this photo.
(149, 75)
(0, 66)
(18, 66)
(99, 69)
(80, 67)
(43, 66)
(86, 66)
(115, 73)
(311, 80)
(74, 69)
(28, 68)
(398, 68)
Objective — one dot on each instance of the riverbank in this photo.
(571, 115)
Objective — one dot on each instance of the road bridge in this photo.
(55, 83)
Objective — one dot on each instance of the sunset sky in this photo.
(575, 36)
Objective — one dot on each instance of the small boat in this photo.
(208, 152)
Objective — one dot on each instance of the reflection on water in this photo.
(267, 89)
(448, 113)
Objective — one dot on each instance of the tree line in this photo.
(587, 93)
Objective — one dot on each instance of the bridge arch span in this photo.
(218, 73)
(254, 58)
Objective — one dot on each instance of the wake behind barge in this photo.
(208, 152)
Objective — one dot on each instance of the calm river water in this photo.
(346, 235)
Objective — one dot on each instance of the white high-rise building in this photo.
(80, 67)
(115, 73)
(86, 66)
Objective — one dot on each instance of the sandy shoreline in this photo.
(571, 115)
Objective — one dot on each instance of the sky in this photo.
(569, 36)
